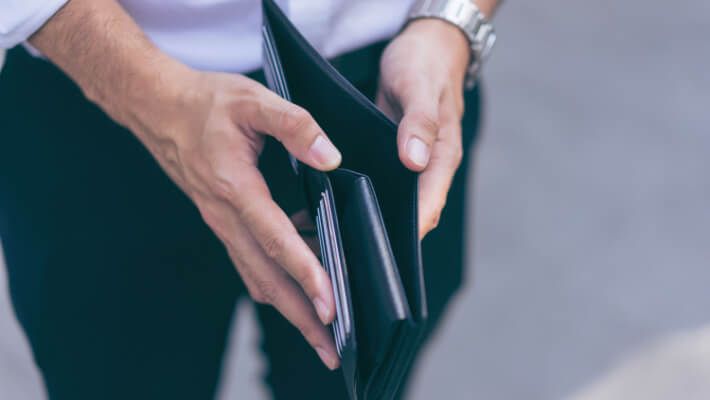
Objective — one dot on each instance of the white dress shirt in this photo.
(224, 35)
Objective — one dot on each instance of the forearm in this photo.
(102, 49)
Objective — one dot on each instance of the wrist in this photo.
(470, 20)
(125, 74)
(457, 54)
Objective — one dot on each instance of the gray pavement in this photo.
(590, 224)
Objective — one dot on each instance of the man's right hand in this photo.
(206, 131)
(211, 151)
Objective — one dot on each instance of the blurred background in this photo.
(590, 244)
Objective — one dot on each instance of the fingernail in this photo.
(321, 309)
(418, 151)
(325, 153)
(330, 360)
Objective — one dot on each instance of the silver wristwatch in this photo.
(467, 17)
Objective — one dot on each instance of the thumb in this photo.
(419, 126)
(295, 128)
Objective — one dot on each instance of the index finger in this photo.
(435, 181)
(275, 287)
(280, 240)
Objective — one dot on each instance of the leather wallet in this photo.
(365, 213)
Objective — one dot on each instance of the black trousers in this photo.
(122, 290)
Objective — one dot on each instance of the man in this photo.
(121, 288)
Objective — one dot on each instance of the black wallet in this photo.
(365, 213)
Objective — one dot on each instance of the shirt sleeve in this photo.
(19, 19)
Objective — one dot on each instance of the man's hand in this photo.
(206, 130)
(421, 85)
(212, 155)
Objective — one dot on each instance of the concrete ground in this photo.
(591, 222)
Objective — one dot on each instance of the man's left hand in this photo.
(421, 85)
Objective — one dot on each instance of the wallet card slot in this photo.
(330, 260)
(325, 260)
(336, 252)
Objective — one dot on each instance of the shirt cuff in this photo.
(23, 18)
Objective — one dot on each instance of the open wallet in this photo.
(365, 214)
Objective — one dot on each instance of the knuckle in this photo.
(245, 88)
(224, 188)
(245, 107)
(243, 102)
(425, 123)
(295, 120)
(428, 121)
(252, 289)
(308, 278)
(256, 296)
(265, 292)
(309, 332)
(451, 155)
(275, 246)
(456, 99)
(403, 84)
